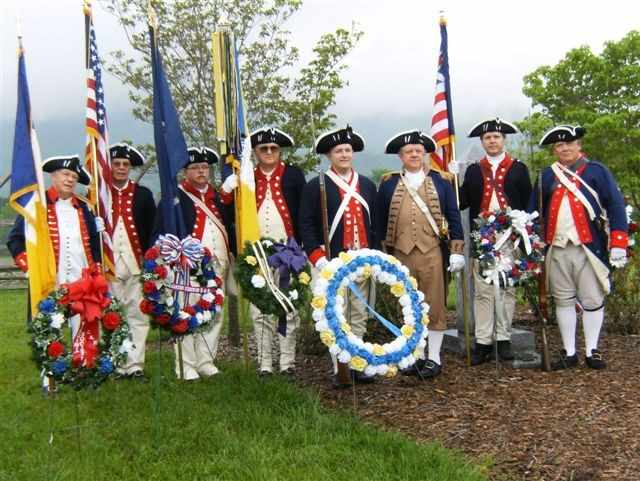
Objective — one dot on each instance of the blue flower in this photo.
(149, 265)
(159, 308)
(59, 367)
(193, 323)
(47, 306)
(105, 365)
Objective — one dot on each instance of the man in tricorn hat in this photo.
(497, 182)
(350, 214)
(580, 196)
(133, 212)
(205, 218)
(72, 227)
(278, 194)
(418, 222)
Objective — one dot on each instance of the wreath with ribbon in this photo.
(328, 304)
(181, 291)
(101, 343)
(274, 276)
(508, 247)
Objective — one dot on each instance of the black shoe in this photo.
(595, 361)
(430, 369)
(119, 376)
(362, 378)
(564, 362)
(413, 370)
(504, 351)
(264, 374)
(289, 374)
(481, 354)
(335, 382)
(138, 376)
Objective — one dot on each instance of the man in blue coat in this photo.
(351, 217)
(418, 222)
(579, 198)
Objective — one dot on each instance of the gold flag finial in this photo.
(153, 17)
(443, 18)
(86, 7)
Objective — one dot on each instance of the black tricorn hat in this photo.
(329, 140)
(126, 151)
(198, 155)
(395, 143)
(270, 135)
(493, 125)
(563, 133)
(69, 162)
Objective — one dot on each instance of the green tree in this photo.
(277, 90)
(600, 92)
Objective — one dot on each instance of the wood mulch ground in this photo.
(573, 425)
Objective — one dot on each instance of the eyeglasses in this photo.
(268, 148)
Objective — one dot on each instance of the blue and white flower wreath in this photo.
(328, 312)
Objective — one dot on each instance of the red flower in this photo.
(180, 327)
(219, 299)
(161, 272)
(55, 349)
(190, 310)
(204, 304)
(152, 254)
(502, 219)
(633, 228)
(207, 252)
(148, 287)
(111, 321)
(162, 319)
(146, 306)
(531, 265)
(218, 281)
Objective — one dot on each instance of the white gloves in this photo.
(230, 183)
(618, 257)
(99, 224)
(454, 167)
(321, 263)
(456, 263)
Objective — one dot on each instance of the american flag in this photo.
(97, 150)
(442, 129)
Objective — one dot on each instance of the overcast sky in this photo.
(391, 75)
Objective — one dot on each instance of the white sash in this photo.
(349, 192)
(421, 205)
(203, 207)
(559, 171)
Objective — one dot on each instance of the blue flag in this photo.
(171, 148)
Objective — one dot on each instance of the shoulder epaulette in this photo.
(387, 175)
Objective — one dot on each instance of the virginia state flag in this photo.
(171, 148)
(28, 198)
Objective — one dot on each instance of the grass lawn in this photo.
(231, 427)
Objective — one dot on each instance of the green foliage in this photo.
(623, 315)
(377, 173)
(273, 92)
(230, 427)
(6, 212)
(600, 92)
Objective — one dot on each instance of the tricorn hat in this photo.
(198, 155)
(270, 135)
(493, 125)
(395, 143)
(329, 140)
(69, 162)
(563, 133)
(126, 151)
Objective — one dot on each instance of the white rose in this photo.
(209, 297)
(126, 346)
(258, 281)
(211, 283)
(334, 349)
(370, 370)
(293, 295)
(322, 326)
(344, 356)
(405, 300)
(169, 301)
(57, 320)
(184, 315)
(200, 317)
(317, 315)
(206, 315)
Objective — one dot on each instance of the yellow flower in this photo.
(417, 353)
(358, 363)
(366, 271)
(304, 278)
(344, 257)
(326, 273)
(407, 330)
(378, 350)
(252, 261)
(413, 282)
(391, 372)
(345, 327)
(394, 261)
(342, 291)
(327, 338)
(425, 320)
(318, 302)
(398, 289)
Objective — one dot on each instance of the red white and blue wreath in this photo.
(101, 343)
(508, 247)
(328, 304)
(181, 291)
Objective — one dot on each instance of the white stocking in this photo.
(567, 320)
(435, 343)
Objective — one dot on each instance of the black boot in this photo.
(595, 361)
(430, 369)
(504, 351)
(413, 370)
(564, 362)
(481, 354)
